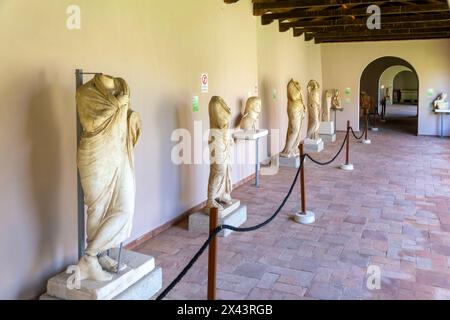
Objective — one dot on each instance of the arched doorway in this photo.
(391, 77)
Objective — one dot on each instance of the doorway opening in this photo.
(391, 85)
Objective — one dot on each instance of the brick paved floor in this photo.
(392, 211)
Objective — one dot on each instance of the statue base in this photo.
(364, 141)
(199, 222)
(314, 145)
(328, 137)
(139, 281)
(326, 128)
(293, 162)
(374, 129)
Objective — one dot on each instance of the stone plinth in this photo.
(293, 162)
(140, 280)
(199, 222)
(314, 145)
(326, 128)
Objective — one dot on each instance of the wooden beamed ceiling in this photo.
(346, 20)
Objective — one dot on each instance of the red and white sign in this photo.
(205, 83)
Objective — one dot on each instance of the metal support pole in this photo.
(119, 258)
(80, 200)
(335, 121)
(347, 150)
(367, 126)
(302, 179)
(257, 165)
(212, 256)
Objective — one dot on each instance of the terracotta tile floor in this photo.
(392, 211)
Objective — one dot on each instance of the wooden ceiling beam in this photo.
(346, 21)
(363, 28)
(260, 8)
(392, 37)
(371, 33)
(339, 13)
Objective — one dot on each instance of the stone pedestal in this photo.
(234, 215)
(326, 128)
(328, 137)
(250, 134)
(313, 145)
(139, 281)
(293, 162)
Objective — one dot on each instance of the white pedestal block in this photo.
(305, 218)
(250, 134)
(347, 167)
(374, 129)
(199, 222)
(364, 141)
(144, 289)
(293, 162)
(328, 137)
(314, 145)
(326, 128)
(140, 280)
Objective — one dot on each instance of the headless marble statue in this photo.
(251, 114)
(336, 101)
(106, 166)
(441, 102)
(220, 143)
(326, 112)
(313, 110)
(296, 114)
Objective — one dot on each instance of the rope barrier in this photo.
(222, 227)
(335, 157)
(354, 134)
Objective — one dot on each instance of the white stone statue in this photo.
(296, 113)
(326, 111)
(251, 114)
(220, 144)
(441, 102)
(106, 166)
(336, 101)
(314, 110)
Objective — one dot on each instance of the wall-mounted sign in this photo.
(195, 104)
(205, 83)
(348, 91)
(274, 94)
(430, 92)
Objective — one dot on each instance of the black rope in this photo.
(354, 134)
(335, 157)
(216, 231)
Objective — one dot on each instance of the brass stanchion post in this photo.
(304, 216)
(347, 166)
(212, 255)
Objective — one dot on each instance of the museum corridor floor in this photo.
(393, 211)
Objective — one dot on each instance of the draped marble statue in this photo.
(220, 144)
(106, 166)
(441, 102)
(314, 110)
(251, 114)
(296, 113)
(336, 100)
(326, 110)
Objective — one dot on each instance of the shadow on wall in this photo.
(44, 134)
